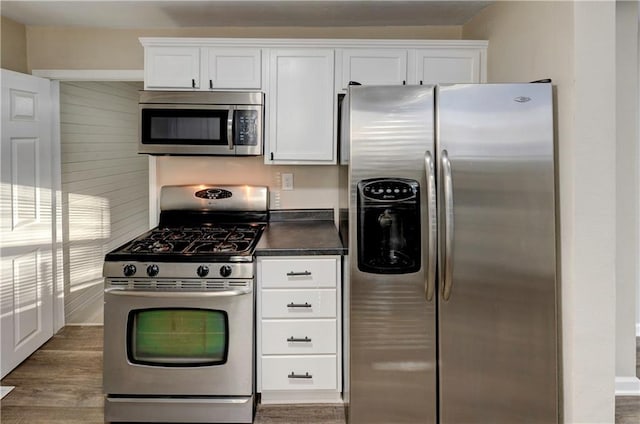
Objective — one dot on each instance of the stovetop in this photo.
(212, 243)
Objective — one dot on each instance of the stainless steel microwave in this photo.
(201, 123)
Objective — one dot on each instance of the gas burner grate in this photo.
(214, 239)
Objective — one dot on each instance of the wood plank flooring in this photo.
(628, 407)
(61, 383)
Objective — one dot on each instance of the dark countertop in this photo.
(300, 232)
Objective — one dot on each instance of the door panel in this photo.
(26, 220)
(392, 340)
(498, 330)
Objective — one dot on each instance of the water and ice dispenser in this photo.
(388, 226)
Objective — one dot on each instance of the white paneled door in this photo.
(27, 217)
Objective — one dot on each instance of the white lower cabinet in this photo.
(299, 336)
(299, 373)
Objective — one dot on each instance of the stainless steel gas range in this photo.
(179, 310)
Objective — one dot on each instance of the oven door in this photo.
(178, 343)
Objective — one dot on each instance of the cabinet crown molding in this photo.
(310, 42)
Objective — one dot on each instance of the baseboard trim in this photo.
(627, 386)
(638, 329)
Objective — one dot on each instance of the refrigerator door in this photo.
(392, 331)
(497, 294)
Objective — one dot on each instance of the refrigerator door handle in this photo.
(447, 184)
(432, 248)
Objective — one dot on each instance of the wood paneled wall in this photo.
(104, 186)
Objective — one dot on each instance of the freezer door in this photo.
(392, 329)
(497, 273)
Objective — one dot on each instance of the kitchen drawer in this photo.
(320, 303)
(312, 337)
(321, 370)
(298, 273)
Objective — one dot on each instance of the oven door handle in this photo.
(178, 294)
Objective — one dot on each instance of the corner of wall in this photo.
(13, 42)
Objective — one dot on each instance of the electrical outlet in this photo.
(287, 181)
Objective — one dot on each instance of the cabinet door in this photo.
(232, 68)
(434, 66)
(172, 67)
(301, 106)
(374, 66)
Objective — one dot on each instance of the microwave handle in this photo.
(230, 127)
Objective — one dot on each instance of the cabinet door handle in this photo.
(294, 339)
(420, 82)
(193, 83)
(211, 84)
(404, 82)
(305, 375)
(299, 305)
(271, 155)
(297, 274)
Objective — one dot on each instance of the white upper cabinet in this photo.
(232, 68)
(202, 68)
(301, 107)
(374, 66)
(442, 66)
(302, 78)
(171, 68)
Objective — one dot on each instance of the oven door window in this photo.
(185, 126)
(175, 337)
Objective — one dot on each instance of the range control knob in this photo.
(225, 270)
(129, 270)
(203, 271)
(153, 270)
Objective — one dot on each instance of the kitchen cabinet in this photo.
(233, 68)
(410, 66)
(301, 112)
(299, 337)
(441, 66)
(301, 79)
(373, 66)
(172, 68)
(202, 68)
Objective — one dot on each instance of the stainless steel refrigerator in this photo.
(448, 209)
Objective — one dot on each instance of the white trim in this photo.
(638, 327)
(627, 386)
(90, 74)
(308, 42)
(301, 396)
(56, 179)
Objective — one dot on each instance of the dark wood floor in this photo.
(61, 383)
(628, 407)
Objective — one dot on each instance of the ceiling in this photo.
(175, 14)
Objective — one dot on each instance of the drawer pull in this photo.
(298, 274)
(293, 339)
(294, 375)
(299, 305)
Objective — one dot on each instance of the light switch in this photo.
(287, 181)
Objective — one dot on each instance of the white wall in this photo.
(574, 44)
(104, 186)
(627, 193)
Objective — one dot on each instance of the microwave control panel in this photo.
(246, 127)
